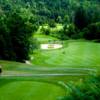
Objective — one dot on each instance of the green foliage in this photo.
(66, 19)
(86, 13)
(15, 33)
(88, 89)
(69, 31)
(92, 31)
(52, 24)
(58, 10)
(5, 39)
(92, 10)
(45, 31)
(80, 19)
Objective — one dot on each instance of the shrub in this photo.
(70, 31)
(80, 19)
(92, 31)
(45, 31)
(89, 89)
(52, 24)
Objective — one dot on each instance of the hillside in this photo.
(47, 10)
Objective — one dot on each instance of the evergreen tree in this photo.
(80, 19)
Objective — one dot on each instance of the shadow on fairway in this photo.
(4, 82)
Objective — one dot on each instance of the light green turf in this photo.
(30, 88)
(30, 91)
(73, 54)
(44, 38)
(26, 89)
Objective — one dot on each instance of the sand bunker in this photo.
(51, 46)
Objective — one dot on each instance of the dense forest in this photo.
(19, 19)
(58, 10)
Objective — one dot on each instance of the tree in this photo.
(92, 31)
(80, 19)
(70, 31)
(45, 31)
(6, 50)
(21, 32)
(52, 24)
(16, 32)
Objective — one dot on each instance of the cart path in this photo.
(43, 75)
(51, 72)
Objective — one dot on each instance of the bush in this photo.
(45, 31)
(70, 31)
(92, 31)
(80, 19)
(89, 89)
(52, 24)
(6, 50)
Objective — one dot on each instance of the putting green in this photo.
(30, 91)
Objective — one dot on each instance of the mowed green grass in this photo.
(44, 38)
(29, 90)
(26, 89)
(74, 54)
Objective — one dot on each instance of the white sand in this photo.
(28, 62)
(51, 46)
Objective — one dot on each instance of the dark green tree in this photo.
(21, 32)
(6, 50)
(92, 32)
(80, 19)
(16, 32)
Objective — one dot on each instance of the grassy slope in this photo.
(26, 90)
(76, 53)
(73, 54)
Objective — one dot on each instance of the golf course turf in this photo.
(31, 82)
(77, 54)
